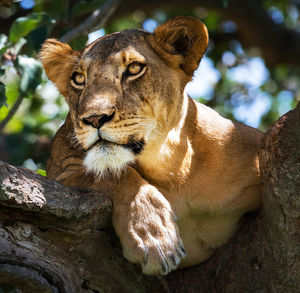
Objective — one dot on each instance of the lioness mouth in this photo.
(135, 146)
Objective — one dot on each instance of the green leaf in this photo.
(35, 39)
(3, 43)
(24, 25)
(41, 172)
(2, 95)
(15, 48)
(30, 71)
(212, 20)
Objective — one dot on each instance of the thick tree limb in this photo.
(57, 239)
(23, 189)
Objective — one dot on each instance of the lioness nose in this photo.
(97, 121)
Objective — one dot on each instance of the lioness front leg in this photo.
(145, 223)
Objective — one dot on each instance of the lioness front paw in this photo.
(162, 257)
(151, 237)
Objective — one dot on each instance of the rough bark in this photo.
(58, 239)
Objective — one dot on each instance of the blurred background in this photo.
(250, 72)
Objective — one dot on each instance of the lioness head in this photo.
(125, 90)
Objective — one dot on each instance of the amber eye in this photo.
(78, 78)
(134, 68)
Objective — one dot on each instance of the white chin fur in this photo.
(103, 158)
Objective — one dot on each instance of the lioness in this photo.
(175, 168)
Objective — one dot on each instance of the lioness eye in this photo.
(134, 68)
(78, 78)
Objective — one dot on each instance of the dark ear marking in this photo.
(182, 45)
(181, 42)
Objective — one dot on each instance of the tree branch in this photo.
(23, 189)
(12, 111)
(59, 239)
(96, 21)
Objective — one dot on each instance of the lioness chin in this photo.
(180, 175)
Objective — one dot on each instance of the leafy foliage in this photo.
(30, 71)
(24, 25)
(41, 172)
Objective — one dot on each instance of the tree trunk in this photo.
(264, 256)
(58, 239)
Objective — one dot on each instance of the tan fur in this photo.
(59, 60)
(175, 168)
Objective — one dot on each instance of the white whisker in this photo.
(74, 140)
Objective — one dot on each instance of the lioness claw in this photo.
(162, 263)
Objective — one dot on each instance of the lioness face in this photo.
(117, 106)
(125, 90)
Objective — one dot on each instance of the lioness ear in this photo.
(58, 60)
(182, 41)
